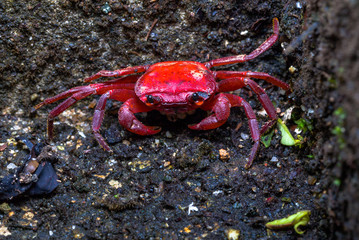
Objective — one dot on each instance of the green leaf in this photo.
(304, 125)
(266, 139)
(287, 138)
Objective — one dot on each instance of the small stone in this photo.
(4, 231)
(115, 184)
(5, 208)
(106, 9)
(28, 216)
(3, 146)
(243, 33)
(11, 166)
(232, 234)
(223, 154)
(311, 180)
(292, 69)
(33, 97)
(61, 148)
(168, 134)
(244, 136)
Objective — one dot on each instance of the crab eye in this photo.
(199, 97)
(195, 97)
(151, 100)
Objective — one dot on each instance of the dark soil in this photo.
(144, 190)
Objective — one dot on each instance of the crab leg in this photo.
(237, 101)
(75, 94)
(117, 94)
(243, 58)
(128, 120)
(221, 108)
(118, 73)
(59, 96)
(98, 88)
(63, 106)
(259, 75)
(232, 84)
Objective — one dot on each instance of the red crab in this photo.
(176, 87)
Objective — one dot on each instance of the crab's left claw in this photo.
(128, 120)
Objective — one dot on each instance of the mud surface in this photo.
(176, 184)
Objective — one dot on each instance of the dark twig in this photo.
(149, 31)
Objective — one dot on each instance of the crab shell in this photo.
(172, 85)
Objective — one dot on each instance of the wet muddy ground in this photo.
(177, 184)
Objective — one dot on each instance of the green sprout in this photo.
(301, 218)
(337, 182)
(339, 129)
(304, 125)
(266, 139)
(287, 138)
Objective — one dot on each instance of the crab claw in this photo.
(128, 120)
(135, 126)
(220, 106)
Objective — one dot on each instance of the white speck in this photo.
(244, 136)
(274, 159)
(4, 231)
(73, 226)
(310, 112)
(192, 208)
(15, 128)
(51, 233)
(82, 134)
(297, 131)
(112, 162)
(11, 166)
(216, 193)
(243, 33)
(262, 112)
(299, 5)
(226, 43)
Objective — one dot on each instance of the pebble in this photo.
(168, 134)
(232, 234)
(34, 97)
(11, 166)
(244, 136)
(115, 184)
(292, 69)
(311, 180)
(223, 154)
